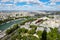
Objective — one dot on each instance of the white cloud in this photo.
(6, 0)
(52, 3)
(58, 6)
(26, 0)
(40, 5)
(26, 7)
(55, 0)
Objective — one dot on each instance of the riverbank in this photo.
(10, 21)
(2, 33)
(6, 25)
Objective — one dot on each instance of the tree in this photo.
(58, 36)
(13, 37)
(53, 34)
(31, 37)
(8, 31)
(24, 38)
(44, 35)
(33, 26)
(19, 37)
(32, 31)
(39, 33)
(22, 30)
(14, 27)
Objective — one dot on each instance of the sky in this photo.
(50, 5)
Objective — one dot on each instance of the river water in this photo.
(8, 24)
